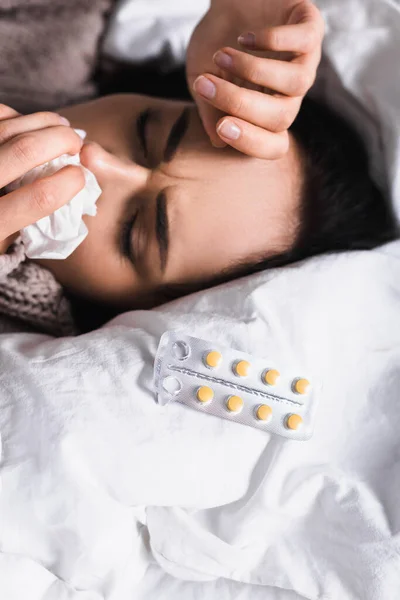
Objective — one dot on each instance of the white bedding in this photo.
(142, 29)
(106, 495)
(89, 457)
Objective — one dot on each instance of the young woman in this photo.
(177, 214)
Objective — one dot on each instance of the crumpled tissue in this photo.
(58, 235)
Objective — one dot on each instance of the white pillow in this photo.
(140, 30)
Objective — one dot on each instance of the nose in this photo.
(109, 168)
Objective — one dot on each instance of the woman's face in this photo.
(173, 209)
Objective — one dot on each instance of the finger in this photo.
(9, 128)
(251, 140)
(6, 112)
(39, 199)
(306, 11)
(266, 111)
(287, 78)
(309, 61)
(28, 150)
(302, 36)
(209, 117)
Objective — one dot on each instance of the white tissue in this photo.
(58, 235)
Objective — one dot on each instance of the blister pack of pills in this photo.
(233, 385)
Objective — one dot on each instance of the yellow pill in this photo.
(294, 422)
(234, 404)
(271, 376)
(264, 412)
(205, 394)
(241, 368)
(301, 386)
(213, 359)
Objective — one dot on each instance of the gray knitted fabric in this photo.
(49, 50)
(30, 294)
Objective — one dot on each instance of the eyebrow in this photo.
(176, 134)
(162, 228)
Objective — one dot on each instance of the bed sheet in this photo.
(98, 482)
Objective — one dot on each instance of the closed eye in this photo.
(127, 237)
(162, 229)
(141, 124)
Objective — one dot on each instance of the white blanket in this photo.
(89, 457)
(106, 495)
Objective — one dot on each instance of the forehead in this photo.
(117, 114)
(216, 164)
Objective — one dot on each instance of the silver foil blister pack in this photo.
(233, 385)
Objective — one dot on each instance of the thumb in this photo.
(209, 117)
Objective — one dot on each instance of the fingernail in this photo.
(204, 87)
(64, 121)
(247, 39)
(229, 130)
(223, 60)
(218, 144)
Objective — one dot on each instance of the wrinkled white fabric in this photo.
(59, 234)
(142, 30)
(106, 495)
(95, 473)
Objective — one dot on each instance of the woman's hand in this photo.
(27, 142)
(259, 90)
